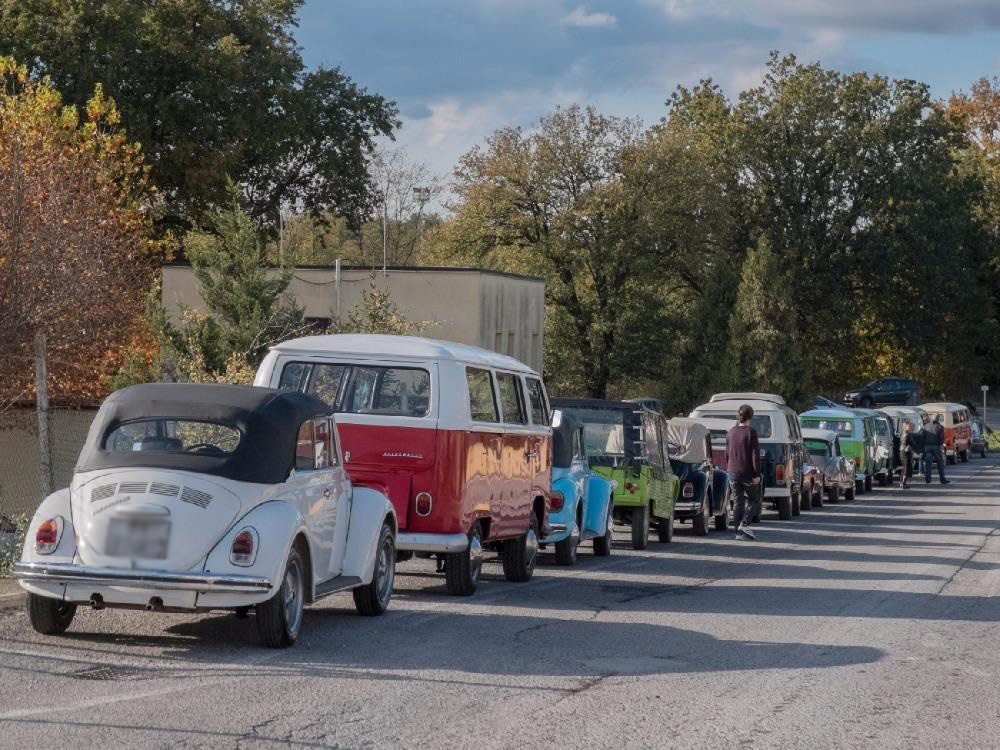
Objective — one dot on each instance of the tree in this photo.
(211, 89)
(377, 313)
(75, 221)
(567, 202)
(246, 309)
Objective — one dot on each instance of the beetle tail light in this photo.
(424, 503)
(688, 490)
(779, 474)
(557, 501)
(47, 536)
(244, 548)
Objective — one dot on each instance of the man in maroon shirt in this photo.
(743, 465)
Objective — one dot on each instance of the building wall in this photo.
(502, 312)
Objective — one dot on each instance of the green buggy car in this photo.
(626, 443)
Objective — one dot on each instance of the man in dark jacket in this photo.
(743, 465)
(933, 444)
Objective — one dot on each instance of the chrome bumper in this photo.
(141, 579)
(414, 541)
(686, 506)
(777, 492)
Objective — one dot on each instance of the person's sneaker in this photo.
(945, 481)
(745, 531)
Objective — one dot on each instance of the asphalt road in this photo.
(865, 624)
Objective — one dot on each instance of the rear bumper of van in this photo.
(777, 492)
(414, 541)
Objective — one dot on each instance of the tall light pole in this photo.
(421, 195)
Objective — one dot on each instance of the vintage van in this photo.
(956, 419)
(457, 437)
(857, 439)
(782, 451)
(881, 427)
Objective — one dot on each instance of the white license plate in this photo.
(137, 538)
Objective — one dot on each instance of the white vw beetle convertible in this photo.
(201, 497)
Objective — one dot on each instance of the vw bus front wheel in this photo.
(462, 569)
(519, 555)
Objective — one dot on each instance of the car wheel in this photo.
(700, 522)
(722, 520)
(520, 555)
(373, 598)
(665, 528)
(965, 456)
(280, 617)
(867, 402)
(784, 508)
(797, 502)
(982, 453)
(566, 549)
(868, 483)
(640, 527)
(833, 494)
(849, 494)
(462, 569)
(883, 480)
(49, 616)
(602, 544)
(806, 498)
(950, 460)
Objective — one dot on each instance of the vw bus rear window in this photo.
(173, 436)
(362, 389)
(843, 427)
(760, 422)
(819, 448)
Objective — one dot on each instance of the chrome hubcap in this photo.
(530, 548)
(385, 571)
(293, 597)
(475, 557)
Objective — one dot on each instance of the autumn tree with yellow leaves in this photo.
(76, 209)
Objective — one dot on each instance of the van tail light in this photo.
(779, 474)
(47, 535)
(688, 490)
(557, 501)
(244, 549)
(424, 503)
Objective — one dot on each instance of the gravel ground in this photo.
(864, 624)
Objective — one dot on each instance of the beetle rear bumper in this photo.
(70, 573)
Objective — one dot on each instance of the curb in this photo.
(11, 595)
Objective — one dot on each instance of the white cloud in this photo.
(583, 19)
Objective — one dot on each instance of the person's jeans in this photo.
(747, 502)
(907, 467)
(933, 455)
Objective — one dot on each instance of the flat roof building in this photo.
(503, 312)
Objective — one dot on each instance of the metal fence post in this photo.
(42, 407)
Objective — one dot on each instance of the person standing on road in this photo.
(743, 465)
(906, 454)
(933, 443)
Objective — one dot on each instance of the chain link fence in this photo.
(21, 484)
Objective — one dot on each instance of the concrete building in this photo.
(504, 312)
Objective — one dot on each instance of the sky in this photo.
(460, 69)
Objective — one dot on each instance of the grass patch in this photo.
(12, 531)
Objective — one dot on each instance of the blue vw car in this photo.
(581, 507)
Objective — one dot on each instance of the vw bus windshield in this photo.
(818, 448)
(603, 431)
(173, 436)
(355, 389)
(760, 422)
(842, 427)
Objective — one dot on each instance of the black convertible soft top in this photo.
(630, 415)
(268, 421)
(562, 441)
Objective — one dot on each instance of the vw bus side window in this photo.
(389, 391)
(511, 399)
(482, 400)
(536, 398)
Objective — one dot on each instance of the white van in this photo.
(782, 453)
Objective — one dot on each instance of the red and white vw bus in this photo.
(956, 419)
(457, 437)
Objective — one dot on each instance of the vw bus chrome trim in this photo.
(137, 578)
(414, 541)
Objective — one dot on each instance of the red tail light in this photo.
(557, 501)
(47, 536)
(688, 490)
(424, 503)
(779, 474)
(244, 548)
